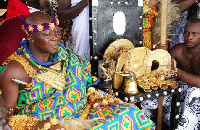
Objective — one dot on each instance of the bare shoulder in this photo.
(177, 49)
(13, 70)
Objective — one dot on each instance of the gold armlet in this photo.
(22, 122)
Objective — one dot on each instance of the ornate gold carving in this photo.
(52, 77)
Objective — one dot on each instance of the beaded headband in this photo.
(30, 29)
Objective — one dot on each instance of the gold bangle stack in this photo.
(22, 122)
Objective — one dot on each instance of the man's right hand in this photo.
(162, 46)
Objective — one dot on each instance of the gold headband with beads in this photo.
(30, 29)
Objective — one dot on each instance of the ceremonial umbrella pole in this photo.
(163, 41)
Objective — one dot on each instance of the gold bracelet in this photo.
(22, 122)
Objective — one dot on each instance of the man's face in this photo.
(192, 34)
(47, 41)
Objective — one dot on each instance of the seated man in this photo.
(46, 81)
(187, 56)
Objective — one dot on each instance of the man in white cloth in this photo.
(78, 10)
(187, 56)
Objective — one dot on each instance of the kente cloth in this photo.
(80, 32)
(44, 101)
(189, 109)
(148, 21)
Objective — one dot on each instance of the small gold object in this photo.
(40, 27)
(54, 121)
(46, 126)
(93, 94)
(171, 84)
(10, 111)
(105, 102)
(95, 105)
(85, 112)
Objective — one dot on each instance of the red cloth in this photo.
(10, 31)
(10, 36)
(16, 8)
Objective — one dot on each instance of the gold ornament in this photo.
(30, 28)
(93, 94)
(51, 26)
(40, 27)
(110, 57)
(54, 121)
(57, 79)
(45, 127)
(135, 63)
(85, 112)
(131, 86)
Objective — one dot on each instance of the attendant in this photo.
(189, 8)
(78, 11)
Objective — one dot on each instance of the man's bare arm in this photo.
(185, 4)
(191, 79)
(66, 12)
(10, 90)
(45, 5)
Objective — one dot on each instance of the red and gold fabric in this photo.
(148, 21)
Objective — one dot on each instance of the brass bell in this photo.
(130, 85)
